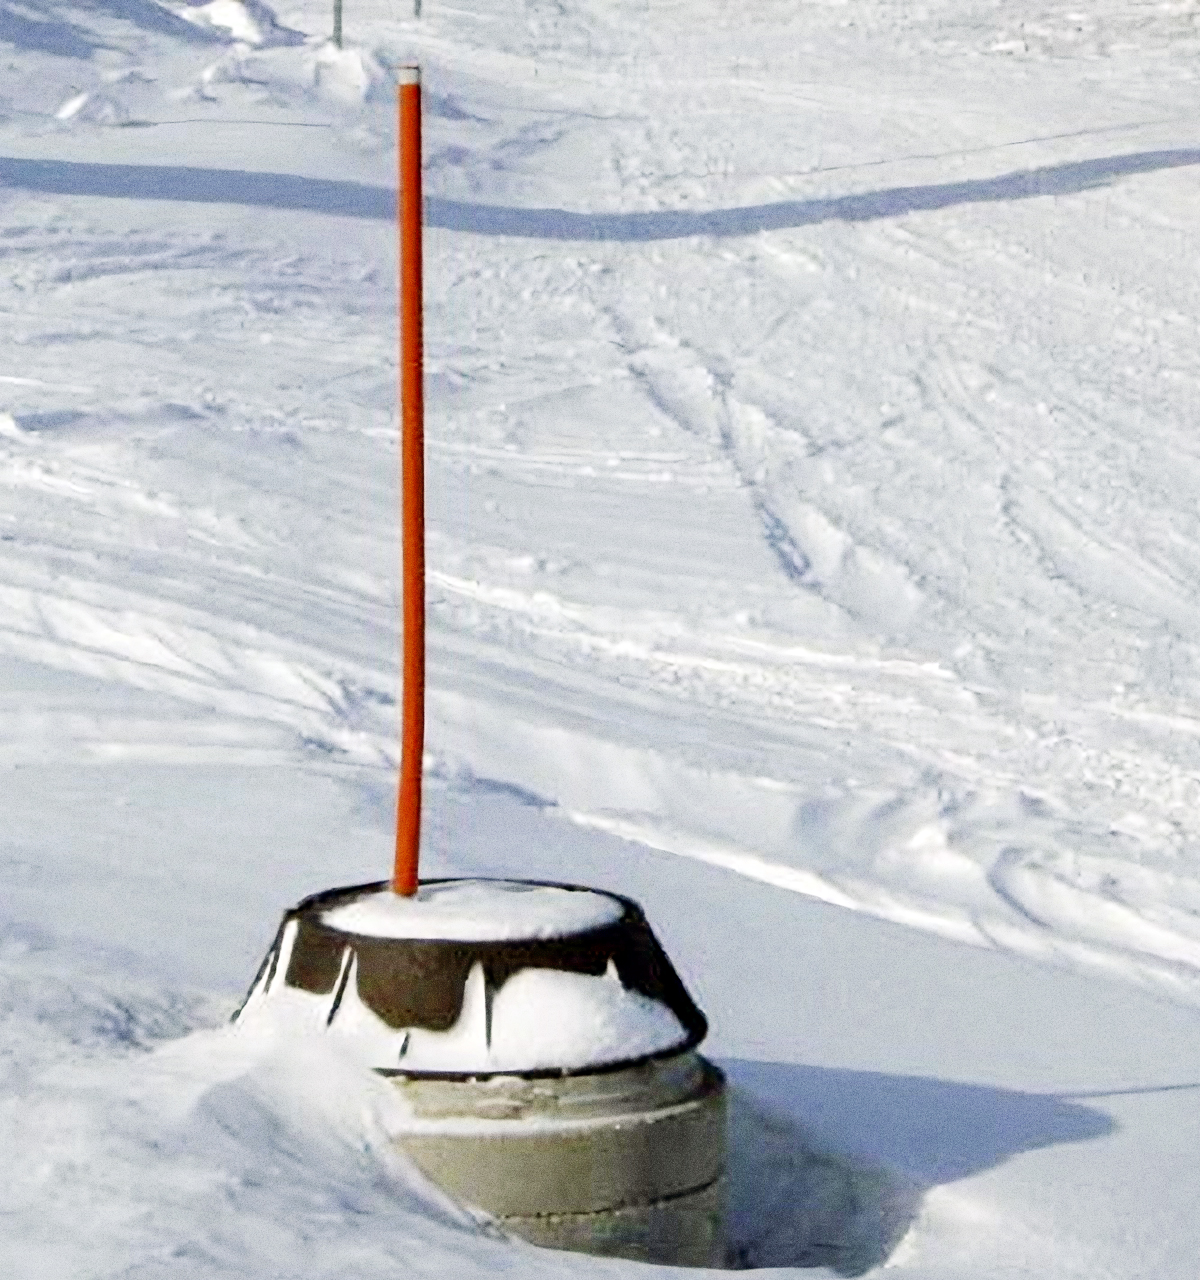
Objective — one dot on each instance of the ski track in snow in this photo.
(872, 556)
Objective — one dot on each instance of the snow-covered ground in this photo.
(812, 481)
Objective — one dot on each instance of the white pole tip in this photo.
(408, 75)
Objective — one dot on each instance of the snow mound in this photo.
(95, 108)
(549, 1019)
(346, 77)
(246, 21)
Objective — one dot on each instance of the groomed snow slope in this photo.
(812, 490)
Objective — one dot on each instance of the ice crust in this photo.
(477, 911)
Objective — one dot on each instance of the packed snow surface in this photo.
(476, 911)
(813, 556)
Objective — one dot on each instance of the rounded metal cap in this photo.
(422, 982)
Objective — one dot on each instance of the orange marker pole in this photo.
(412, 485)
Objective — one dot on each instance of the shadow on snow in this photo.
(49, 34)
(828, 1167)
(361, 200)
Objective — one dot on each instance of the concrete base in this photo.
(626, 1163)
(686, 1231)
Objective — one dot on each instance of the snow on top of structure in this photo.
(540, 1019)
(549, 1018)
(477, 911)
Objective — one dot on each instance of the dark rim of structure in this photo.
(664, 983)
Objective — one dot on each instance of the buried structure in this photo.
(544, 1045)
(538, 1033)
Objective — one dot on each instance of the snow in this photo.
(813, 545)
(476, 911)
(230, 14)
(246, 21)
(547, 1015)
(539, 1019)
